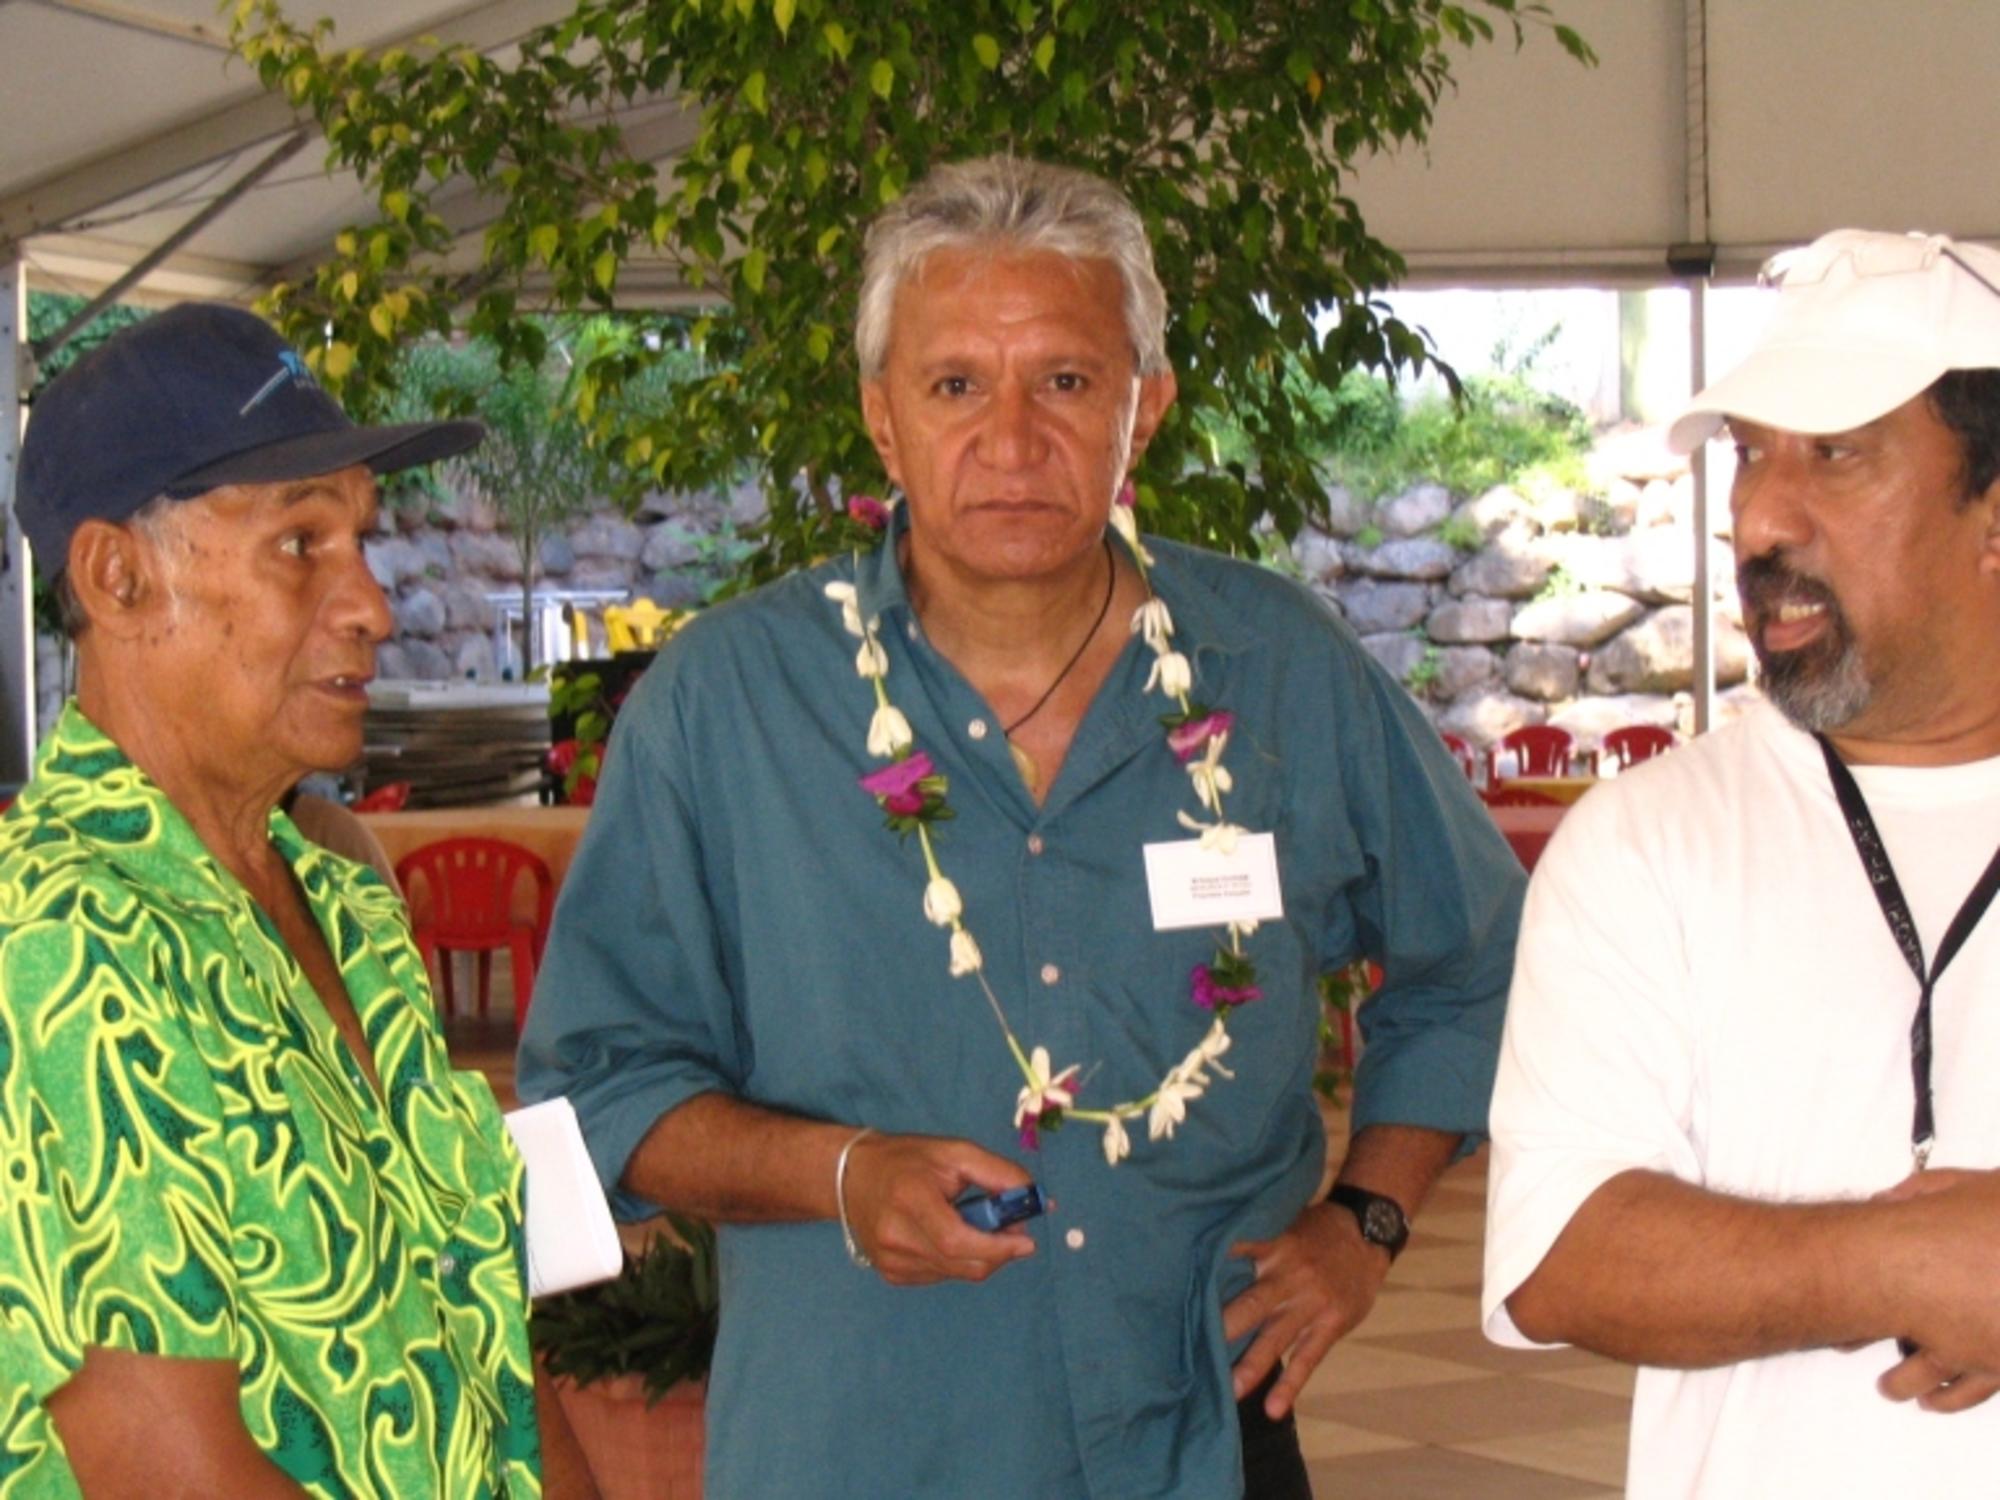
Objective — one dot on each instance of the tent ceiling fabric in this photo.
(1806, 113)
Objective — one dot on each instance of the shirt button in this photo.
(977, 729)
(1074, 1239)
(447, 1263)
(1034, 843)
(1050, 974)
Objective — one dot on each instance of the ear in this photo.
(881, 426)
(113, 578)
(1156, 394)
(1989, 554)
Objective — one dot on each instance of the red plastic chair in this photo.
(1541, 749)
(1462, 752)
(1637, 742)
(470, 885)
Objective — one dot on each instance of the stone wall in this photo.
(1508, 608)
(440, 563)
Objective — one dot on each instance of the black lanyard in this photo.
(1903, 927)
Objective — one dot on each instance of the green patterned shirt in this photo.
(193, 1164)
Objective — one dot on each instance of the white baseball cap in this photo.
(1865, 321)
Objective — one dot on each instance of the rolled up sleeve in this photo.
(1439, 910)
(634, 1013)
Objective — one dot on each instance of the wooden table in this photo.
(1528, 829)
(1560, 788)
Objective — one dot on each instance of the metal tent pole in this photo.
(17, 598)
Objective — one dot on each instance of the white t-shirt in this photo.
(1706, 987)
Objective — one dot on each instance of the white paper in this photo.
(571, 1239)
(1195, 887)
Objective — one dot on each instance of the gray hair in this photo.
(1010, 202)
(158, 524)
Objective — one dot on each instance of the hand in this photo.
(1315, 1283)
(1952, 1375)
(899, 1204)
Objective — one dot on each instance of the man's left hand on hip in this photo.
(1315, 1283)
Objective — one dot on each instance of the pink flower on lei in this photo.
(895, 785)
(1190, 739)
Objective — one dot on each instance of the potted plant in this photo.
(630, 1360)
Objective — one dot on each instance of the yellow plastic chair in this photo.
(638, 626)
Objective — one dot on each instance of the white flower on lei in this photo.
(1128, 527)
(1170, 1105)
(1043, 1091)
(1217, 835)
(1210, 776)
(844, 595)
(888, 732)
(942, 903)
(1152, 621)
(1188, 1080)
(1117, 1144)
(871, 660)
(965, 955)
(1171, 674)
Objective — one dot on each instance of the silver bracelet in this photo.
(854, 1251)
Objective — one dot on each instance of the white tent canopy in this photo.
(1712, 133)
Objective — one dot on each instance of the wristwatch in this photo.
(1382, 1220)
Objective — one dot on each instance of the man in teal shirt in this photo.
(773, 1009)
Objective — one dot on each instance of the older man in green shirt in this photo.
(821, 1012)
(260, 1238)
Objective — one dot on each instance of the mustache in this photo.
(1765, 582)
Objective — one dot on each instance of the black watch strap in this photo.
(1381, 1218)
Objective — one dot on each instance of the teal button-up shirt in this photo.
(739, 919)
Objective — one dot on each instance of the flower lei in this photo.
(911, 793)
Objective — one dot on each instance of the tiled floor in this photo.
(1415, 1405)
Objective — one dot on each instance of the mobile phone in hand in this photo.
(991, 1211)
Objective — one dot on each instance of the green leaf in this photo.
(739, 163)
(987, 50)
(828, 238)
(882, 77)
(1045, 53)
(753, 90)
(396, 204)
(604, 270)
(838, 39)
(819, 343)
(754, 266)
(382, 320)
(350, 286)
(815, 169)
(542, 242)
(782, 12)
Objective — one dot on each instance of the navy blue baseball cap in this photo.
(198, 396)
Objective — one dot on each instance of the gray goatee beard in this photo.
(1821, 686)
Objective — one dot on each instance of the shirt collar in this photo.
(1200, 620)
(84, 780)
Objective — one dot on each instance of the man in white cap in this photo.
(1748, 1110)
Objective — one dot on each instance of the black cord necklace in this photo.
(1110, 585)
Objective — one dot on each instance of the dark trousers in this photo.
(1273, 1468)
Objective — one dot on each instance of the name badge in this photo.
(1195, 887)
